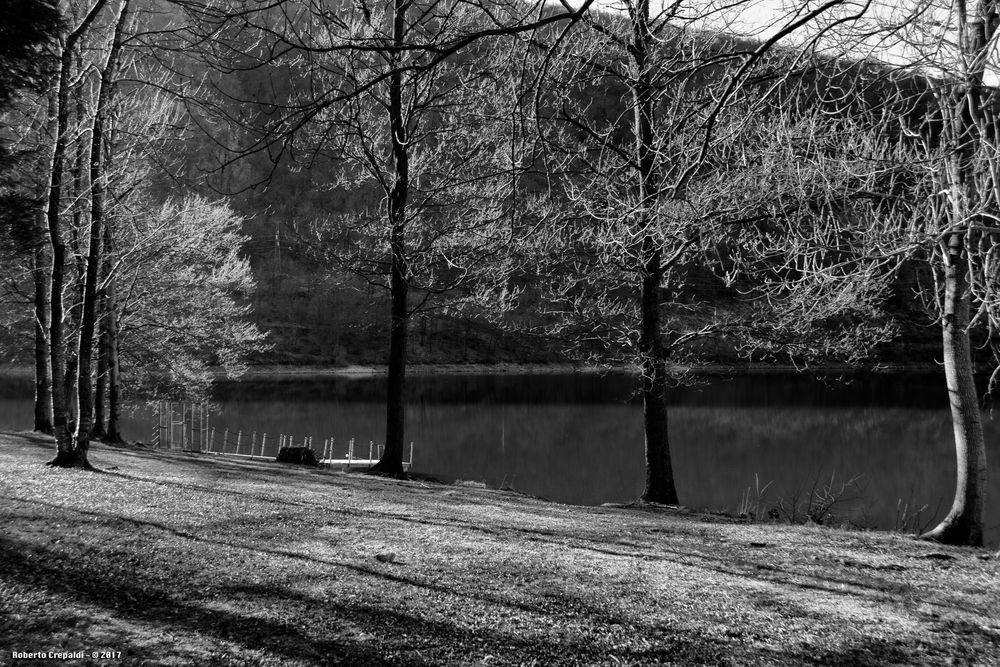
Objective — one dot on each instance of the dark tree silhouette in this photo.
(28, 30)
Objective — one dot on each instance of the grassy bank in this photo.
(180, 559)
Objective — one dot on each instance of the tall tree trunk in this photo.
(88, 315)
(114, 434)
(57, 348)
(107, 347)
(75, 247)
(66, 453)
(391, 462)
(99, 430)
(114, 378)
(43, 372)
(964, 523)
(660, 486)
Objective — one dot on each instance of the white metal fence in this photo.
(187, 426)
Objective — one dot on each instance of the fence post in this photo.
(239, 440)
(411, 453)
(253, 443)
(225, 440)
(263, 441)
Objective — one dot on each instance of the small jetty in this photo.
(353, 460)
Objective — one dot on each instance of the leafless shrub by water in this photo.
(752, 505)
(822, 502)
(913, 519)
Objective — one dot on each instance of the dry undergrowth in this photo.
(178, 559)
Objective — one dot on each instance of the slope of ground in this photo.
(178, 559)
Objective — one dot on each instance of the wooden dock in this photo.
(352, 461)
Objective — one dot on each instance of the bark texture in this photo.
(57, 269)
(964, 522)
(114, 433)
(99, 430)
(43, 372)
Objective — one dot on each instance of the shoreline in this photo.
(276, 371)
(305, 372)
(712, 370)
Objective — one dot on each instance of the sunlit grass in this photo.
(176, 559)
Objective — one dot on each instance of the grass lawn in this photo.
(179, 559)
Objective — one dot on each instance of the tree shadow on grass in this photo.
(325, 632)
(146, 603)
(328, 636)
(877, 588)
(405, 637)
(872, 587)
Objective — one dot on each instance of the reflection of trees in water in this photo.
(780, 388)
(903, 454)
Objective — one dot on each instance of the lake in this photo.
(577, 438)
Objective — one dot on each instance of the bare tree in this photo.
(121, 230)
(648, 117)
(67, 454)
(173, 286)
(94, 260)
(966, 219)
(403, 96)
(937, 76)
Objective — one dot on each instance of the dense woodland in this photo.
(190, 186)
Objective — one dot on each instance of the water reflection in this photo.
(578, 438)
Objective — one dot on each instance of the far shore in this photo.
(263, 372)
(306, 371)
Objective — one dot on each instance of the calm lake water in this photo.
(578, 438)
